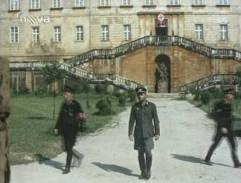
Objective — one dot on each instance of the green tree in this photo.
(53, 73)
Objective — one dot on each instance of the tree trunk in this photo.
(4, 113)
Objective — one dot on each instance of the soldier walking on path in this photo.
(144, 117)
(223, 116)
(71, 113)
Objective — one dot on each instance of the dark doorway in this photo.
(163, 74)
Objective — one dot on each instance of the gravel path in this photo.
(108, 155)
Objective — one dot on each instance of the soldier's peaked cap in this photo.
(68, 89)
(140, 89)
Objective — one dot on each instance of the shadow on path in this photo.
(115, 168)
(193, 159)
(47, 161)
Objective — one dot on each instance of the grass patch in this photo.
(31, 124)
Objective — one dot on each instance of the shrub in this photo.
(132, 96)
(40, 92)
(205, 97)
(104, 106)
(196, 95)
(100, 88)
(122, 99)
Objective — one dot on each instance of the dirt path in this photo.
(108, 156)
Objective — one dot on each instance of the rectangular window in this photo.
(57, 4)
(199, 31)
(14, 34)
(79, 3)
(223, 32)
(127, 32)
(126, 2)
(174, 2)
(198, 2)
(57, 33)
(14, 4)
(223, 2)
(104, 2)
(105, 32)
(79, 33)
(35, 34)
(148, 2)
(34, 4)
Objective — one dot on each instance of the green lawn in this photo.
(31, 125)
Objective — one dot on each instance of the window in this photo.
(199, 31)
(104, 2)
(105, 32)
(148, 2)
(174, 2)
(127, 32)
(223, 2)
(14, 34)
(57, 3)
(34, 4)
(35, 34)
(198, 2)
(79, 33)
(14, 5)
(223, 32)
(57, 33)
(126, 2)
(79, 3)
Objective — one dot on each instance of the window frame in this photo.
(126, 2)
(127, 32)
(223, 32)
(104, 3)
(57, 35)
(14, 35)
(199, 33)
(36, 35)
(223, 2)
(57, 4)
(79, 3)
(35, 4)
(14, 5)
(79, 33)
(105, 33)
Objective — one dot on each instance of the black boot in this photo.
(148, 166)
(68, 162)
(142, 165)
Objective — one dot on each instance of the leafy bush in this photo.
(132, 96)
(104, 106)
(100, 88)
(122, 99)
(196, 94)
(40, 92)
(205, 97)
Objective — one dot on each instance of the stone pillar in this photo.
(4, 113)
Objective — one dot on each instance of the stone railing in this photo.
(114, 79)
(155, 41)
(210, 81)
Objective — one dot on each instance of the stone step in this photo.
(164, 95)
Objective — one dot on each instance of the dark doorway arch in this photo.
(163, 74)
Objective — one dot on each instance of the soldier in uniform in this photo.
(144, 117)
(223, 116)
(71, 113)
(4, 149)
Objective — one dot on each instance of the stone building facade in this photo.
(35, 31)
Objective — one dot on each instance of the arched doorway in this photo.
(163, 74)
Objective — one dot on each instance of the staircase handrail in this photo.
(151, 40)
